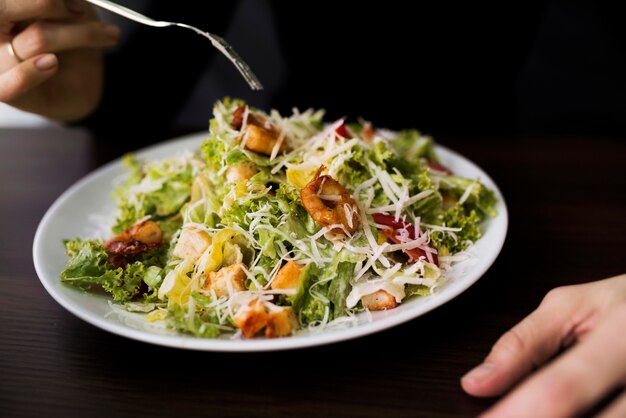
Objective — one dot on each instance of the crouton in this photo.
(191, 244)
(251, 319)
(379, 301)
(226, 280)
(281, 322)
(241, 172)
(261, 140)
(288, 277)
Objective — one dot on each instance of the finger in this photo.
(617, 409)
(27, 75)
(577, 380)
(8, 59)
(19, 10)
(42, 37)
(526, 346)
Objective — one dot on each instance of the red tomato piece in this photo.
(342, 131)
(392, 235)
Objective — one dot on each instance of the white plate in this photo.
(86, 207)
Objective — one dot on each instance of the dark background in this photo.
(444, 67)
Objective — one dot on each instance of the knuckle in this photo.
(510, 342)
(558, 295)
(36, 38)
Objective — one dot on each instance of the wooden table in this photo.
(567, 202)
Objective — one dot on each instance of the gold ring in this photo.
(12, 52)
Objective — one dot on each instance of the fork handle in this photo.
(219, 43)
(128, 13)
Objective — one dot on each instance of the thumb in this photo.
(526, 346)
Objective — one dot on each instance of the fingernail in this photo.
(480, 372)
(111, 31)
(46, 62)
(75, 6)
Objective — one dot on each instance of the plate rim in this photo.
(395, 318)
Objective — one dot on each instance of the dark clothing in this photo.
(461, 68)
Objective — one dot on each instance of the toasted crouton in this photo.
(262, 140)
(379, 301)
(241, 172)
(252, 318)
(281, 322)
(288, 277)
(191, 244)
(226, 281)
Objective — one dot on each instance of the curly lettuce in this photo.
(89, 265)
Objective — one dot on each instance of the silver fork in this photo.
(218, 42)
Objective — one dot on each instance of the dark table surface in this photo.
(567, 203)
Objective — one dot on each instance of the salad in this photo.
(279, 224)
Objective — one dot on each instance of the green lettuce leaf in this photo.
(200, 324)
(88, 265)
(340, 288)
(410, 145)
(168, 189)
(480, 198)
(315, 287)
(457, 217)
